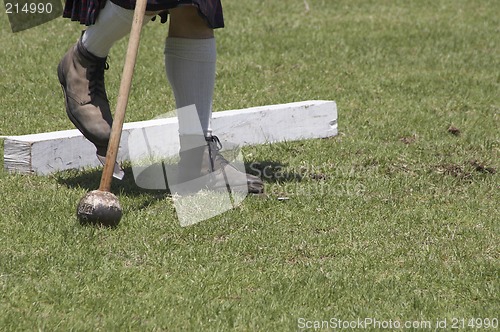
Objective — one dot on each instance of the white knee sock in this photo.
(190, 67)
(112, 24)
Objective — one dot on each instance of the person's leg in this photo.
(81, 74)
(190, 59)
(112, 24)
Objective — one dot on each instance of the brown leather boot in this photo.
(81, 75)
(205, 164)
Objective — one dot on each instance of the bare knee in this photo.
(186, 22)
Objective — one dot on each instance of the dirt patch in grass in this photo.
(481, 168)
(453, 170)
(454, 130)
(465, 171)
(409, 139)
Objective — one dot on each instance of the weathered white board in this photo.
(47, 153)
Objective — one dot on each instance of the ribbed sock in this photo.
(112, 24)
(190, 67)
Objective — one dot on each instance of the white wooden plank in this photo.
(277, 123)
(46, 153)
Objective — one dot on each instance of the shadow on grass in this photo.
(136, 185)
(91, 179)
(272, 172)
(150, 182)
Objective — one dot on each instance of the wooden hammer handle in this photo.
(123, 94)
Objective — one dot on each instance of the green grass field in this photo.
(396, 218)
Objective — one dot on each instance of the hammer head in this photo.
(100, 208)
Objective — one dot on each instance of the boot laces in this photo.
(96, 78)
(216, 159)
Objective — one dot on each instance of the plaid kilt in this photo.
(86, 11)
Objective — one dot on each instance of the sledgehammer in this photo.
(101, 207)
